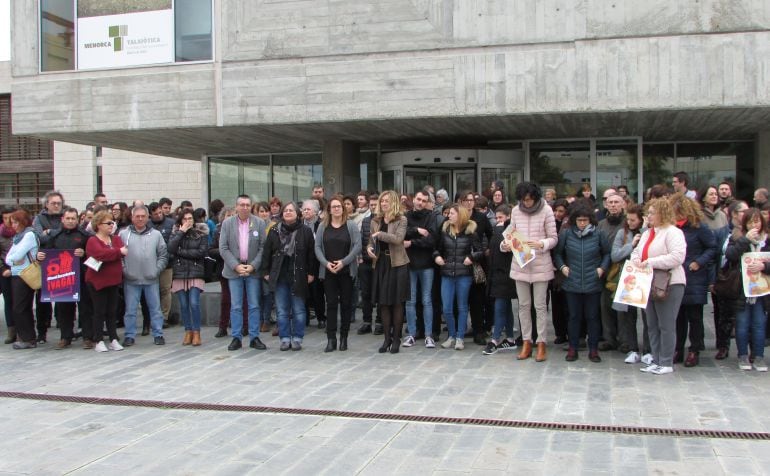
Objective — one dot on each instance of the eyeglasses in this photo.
(334, 207)
(55, 203)
(108, 223)
(468, 200)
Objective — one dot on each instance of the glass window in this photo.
(224, 183)
(294, 175)
(707, 163)
(510, 177)
(193, 30)
(256, 178)
(564, 166)
(369, 171)
(616, 164)
(57, 35)
(657, 164)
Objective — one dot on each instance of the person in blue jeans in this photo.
(289, 266)
(750, 320)
(500, 286)
(188, 247)
(458, 248)
(240, 245)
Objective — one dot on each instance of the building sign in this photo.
(115, 37)
(61, 276)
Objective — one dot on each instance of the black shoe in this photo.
(257, 344)
(378, 331)
(343, 343)
(331, 344)
(77, 335)
(479, 339)
(159, 340)
(128, 342)
(145, 331)
(235, 344)
(321, 324)
(365, 328)
(560, 340)
(394, 346)
(385, 347)
(285, 346)
(41, 339)
(221, 333)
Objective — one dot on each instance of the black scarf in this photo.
(287, 234)
(535, 208)
(615, 220)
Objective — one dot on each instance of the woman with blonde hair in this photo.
(458, 247)
(390, 280)
(701, 250)
(337, 246)
(662, 247)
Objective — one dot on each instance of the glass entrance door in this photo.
(416, 178)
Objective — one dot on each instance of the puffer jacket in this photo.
(455, 248)
(187, 252)
(583, 255)
(736, 246)
(537, 226)
(701, 248)
(499, 283)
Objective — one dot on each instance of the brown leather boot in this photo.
(188, 336)
(540, 357)
(196, 338)
(526, 350)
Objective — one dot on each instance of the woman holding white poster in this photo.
(662, 247)
(750, 317)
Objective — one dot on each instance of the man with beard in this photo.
(420, 242)
(613, 221)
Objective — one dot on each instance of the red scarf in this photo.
(646, 249)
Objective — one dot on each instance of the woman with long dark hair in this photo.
(337, 246)
(390, 278)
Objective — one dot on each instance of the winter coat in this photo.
(351, 260)
(43, 221)
(366, 231)
(454, 249)
(393, 235)
(305, 263)
(583, 255)
(187, 252)
(667, 251)
(147, 255)
(736, 247)
(422, 247)
(701, 248)
(537, 226)
(499, 283)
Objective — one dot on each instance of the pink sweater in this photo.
(539, 226)
(667, 251)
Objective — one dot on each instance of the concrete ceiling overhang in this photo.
(659, 125)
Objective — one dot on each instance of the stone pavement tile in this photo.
(565, 442)
(683, 467)
(662, 449)
(730, 448)
(437, 444)
(696, 448)
(561, 464)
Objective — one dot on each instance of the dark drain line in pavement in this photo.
(530, 425)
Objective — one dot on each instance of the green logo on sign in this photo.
(116, 33)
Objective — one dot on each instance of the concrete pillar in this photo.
(341, 167)
(762, 159)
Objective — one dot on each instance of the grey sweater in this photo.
(147, 255)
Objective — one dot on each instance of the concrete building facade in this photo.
(352, 93)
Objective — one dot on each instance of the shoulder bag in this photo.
(660, 281)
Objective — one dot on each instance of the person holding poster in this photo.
(104, 276)
(750, 317)
(583, 257)
(70, 237)
(662, 247)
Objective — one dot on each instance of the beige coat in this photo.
(394, 237)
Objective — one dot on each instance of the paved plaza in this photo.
(82, 436)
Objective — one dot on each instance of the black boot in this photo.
(343, 342)
(386, 331)
(397, 314)
(331, 344)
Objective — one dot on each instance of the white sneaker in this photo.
(408, 341)
(659, 370)
(744, 363)
(449, 343)
(459, 345)
(100, 347)
(632, 358)
(646, 359)
(759, 364)
(430, 343)
(649, 368)
(115, 345)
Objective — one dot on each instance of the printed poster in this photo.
(522, 253)
(755, 284)
(634, 285)
(61, 276)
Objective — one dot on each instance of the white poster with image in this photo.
(634, 285)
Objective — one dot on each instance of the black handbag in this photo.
(728, 284)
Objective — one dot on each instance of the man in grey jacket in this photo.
(240, 245)
(147, 258)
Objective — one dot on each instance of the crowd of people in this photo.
(417, 265)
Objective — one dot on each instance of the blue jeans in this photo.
(291, 313)
(503, 319)
(751, 319)
(132, 293)
(425, 277)
(451, 287)
(584, 306)
(190, 308)
(252, 286)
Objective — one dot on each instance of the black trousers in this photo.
(317, 299)
(477, 304)
(690, 317)
(23, 297)
(338, 289)
(5, 287)
(65, 317)
(43, 314)
(559, 314)
(365, 284)
(105, 302)
(85, 309)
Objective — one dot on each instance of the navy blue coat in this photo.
(701, 248)
(583, 255)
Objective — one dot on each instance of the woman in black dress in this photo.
(390, 281)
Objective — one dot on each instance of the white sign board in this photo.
(130, 39)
